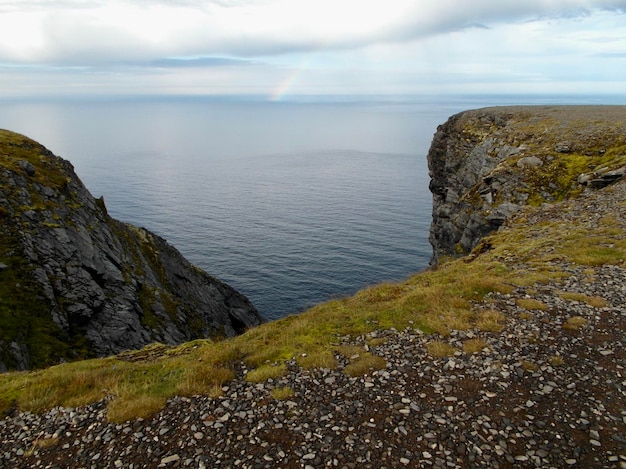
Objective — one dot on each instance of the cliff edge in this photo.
(510, 357)
(486, 164)
(76, 283)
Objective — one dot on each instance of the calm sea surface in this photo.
(290, 203)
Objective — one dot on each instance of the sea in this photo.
(291, 202)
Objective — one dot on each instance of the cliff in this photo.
(486, 164)
(76, 283)
(512, 356)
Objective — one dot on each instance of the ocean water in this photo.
(291, 203)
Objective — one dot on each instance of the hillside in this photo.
(75, 283)
(487, 163)
(509, 356)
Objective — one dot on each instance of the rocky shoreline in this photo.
(539, 395)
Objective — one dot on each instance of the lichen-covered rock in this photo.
(76, 283)
(487, 163)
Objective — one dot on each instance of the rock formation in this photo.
(487, 163)
(76, 283)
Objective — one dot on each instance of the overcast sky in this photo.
(278, 48)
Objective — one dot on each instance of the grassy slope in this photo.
(436, 301)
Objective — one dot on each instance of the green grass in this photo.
(265, 372)
(437, 301)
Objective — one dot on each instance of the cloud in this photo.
(200, 62)
(92, 32)
(274, 47)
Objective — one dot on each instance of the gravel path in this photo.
(540, 395)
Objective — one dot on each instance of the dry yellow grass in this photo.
(474, 345)
(575, 323)
(42, 443)
(595, 301)
(557, 360)
(318, 359)
(490, 320)
(530, 304)
(282, 393)
(365, 364)
(376, 341)
(529, 366)
(437, 348)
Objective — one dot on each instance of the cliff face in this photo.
(485, 164)
(76, 283)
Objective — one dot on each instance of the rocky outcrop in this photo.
(76, 283)
(485, 164)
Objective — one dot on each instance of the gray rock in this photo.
(471, 169)
(529, 162)
(563, 147)
(28, 168)
(106, 284)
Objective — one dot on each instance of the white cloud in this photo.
(70, 32)
(310, 45)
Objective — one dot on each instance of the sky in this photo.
(282, 48)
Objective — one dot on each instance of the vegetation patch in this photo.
(557, 360)
(575, 323)
(320, 359)
(529, 366)
(438, 348)
(531, 304)
(265, 372)
(282, 393)
(490, 320)
(364, 364)
(42, 443)
(474, 345)
(595, 301)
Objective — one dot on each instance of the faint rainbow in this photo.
(283, 88)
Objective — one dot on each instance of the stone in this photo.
(170, 459)
(529, 162)
(27, 167)
(563, 147)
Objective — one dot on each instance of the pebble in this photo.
(413, 414)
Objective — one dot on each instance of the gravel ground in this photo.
(540, 395)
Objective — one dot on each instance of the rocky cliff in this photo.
(511, 357)
(486, 164)
(76, 283)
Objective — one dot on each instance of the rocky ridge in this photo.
(486, 164)
(77, 283)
